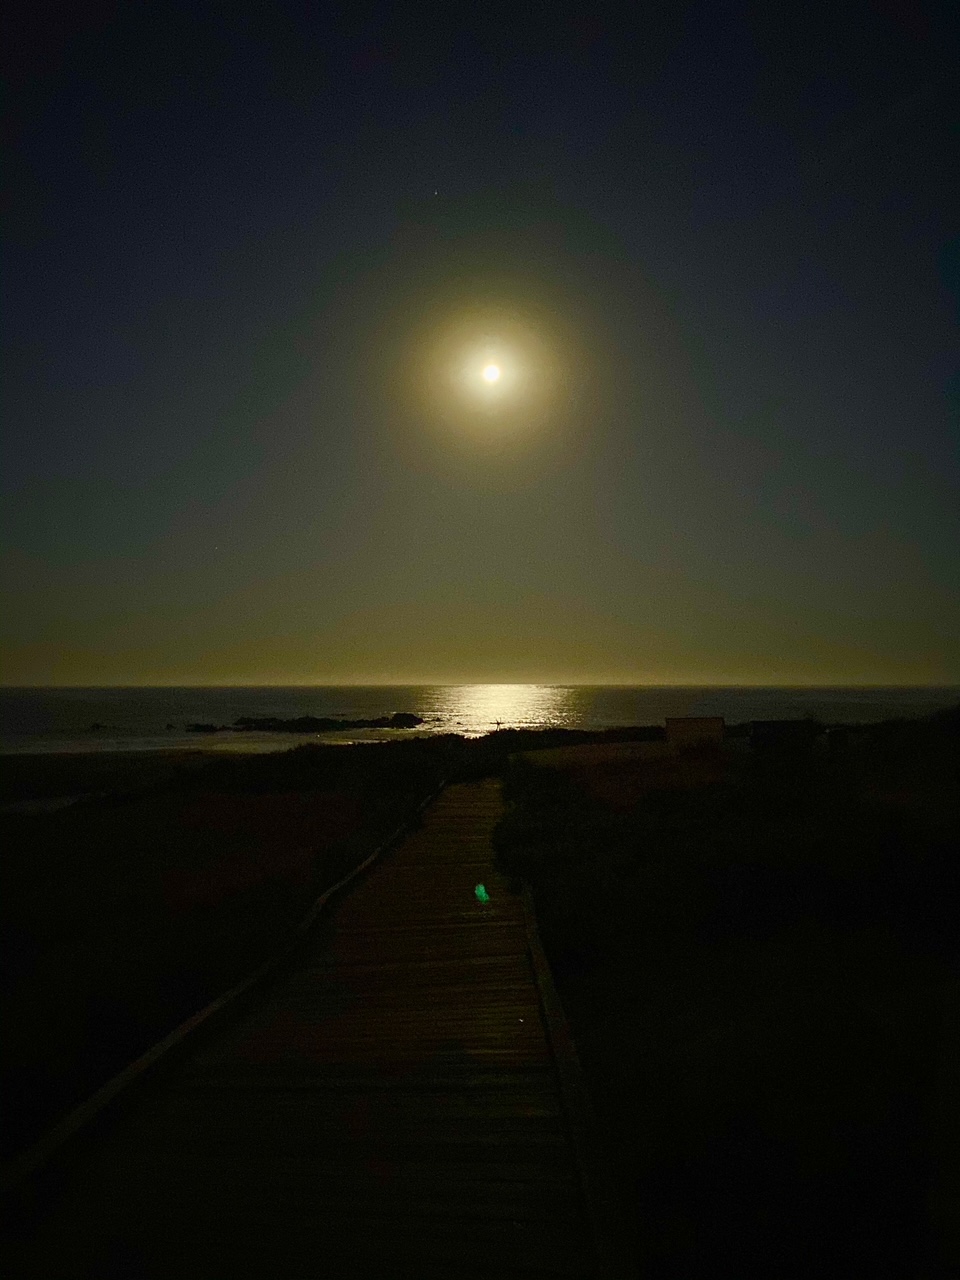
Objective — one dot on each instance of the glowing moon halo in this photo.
(484, 376)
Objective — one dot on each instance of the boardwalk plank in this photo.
(390, 1107)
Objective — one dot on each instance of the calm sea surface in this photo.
(153, 719)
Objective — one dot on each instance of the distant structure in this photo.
(694, 731)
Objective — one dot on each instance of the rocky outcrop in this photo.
(324, 724)
(309, 724)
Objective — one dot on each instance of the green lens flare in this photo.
(481, 892)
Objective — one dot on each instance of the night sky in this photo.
(254, 251)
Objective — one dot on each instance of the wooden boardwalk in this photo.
(390, 1107)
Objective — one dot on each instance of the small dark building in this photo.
(694, 731)
(784, 735)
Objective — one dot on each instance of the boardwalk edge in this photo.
(31, 1162)
(595, 1179)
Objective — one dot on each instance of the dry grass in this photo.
(122, 916)
(618, 775)
(754, 951)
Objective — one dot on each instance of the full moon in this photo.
(487, 375)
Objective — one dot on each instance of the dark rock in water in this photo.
(203, 728)
(96, 726)
(171, 726)
(405, 720)
(323, 724)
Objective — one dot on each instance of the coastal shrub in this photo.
(753, 960)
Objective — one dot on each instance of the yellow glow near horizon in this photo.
(491, 373)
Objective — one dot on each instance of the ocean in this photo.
(145, 719)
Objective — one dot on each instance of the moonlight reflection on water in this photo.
(479, 708)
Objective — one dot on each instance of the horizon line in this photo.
(460, 684)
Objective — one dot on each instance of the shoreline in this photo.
(57, 777)
(223, 741)
(46, 775)
(266, 719)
